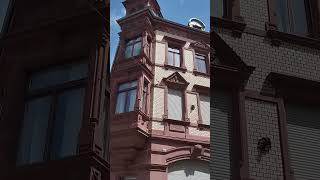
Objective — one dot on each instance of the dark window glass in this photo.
(282, 15)
(201, 63)
(300, 16)
(294, 16)
(218, 8)
(174, 58)
(3, 12)
(133, 47)
(34, 131)
(67, 123)
(58, 75)
(53, 116)
(126, 97)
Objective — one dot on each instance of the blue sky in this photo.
(179, 11)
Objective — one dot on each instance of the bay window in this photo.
(175, 104)
(133, 47)
(126, 97)
(53, 114)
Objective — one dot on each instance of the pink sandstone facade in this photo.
(160, 105)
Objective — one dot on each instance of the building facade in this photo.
(54, 89)
(160, 97)
(270, 114)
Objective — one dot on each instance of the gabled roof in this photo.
(176, 79)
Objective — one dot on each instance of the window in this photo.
(129, 178)
(205, 109)
(53, 114)
(218, 8)
(145, 97)
(4, 4)
(294, 16)
(174, 104)
(201, 64)
(133, 47)
(174, 58)
(126, 97)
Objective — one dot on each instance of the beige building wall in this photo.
(161, 73)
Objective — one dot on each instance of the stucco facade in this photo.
(146, 142)
(285, 72)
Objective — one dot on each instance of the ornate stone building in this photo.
(54, 90)
(265, 113)
(160, 97)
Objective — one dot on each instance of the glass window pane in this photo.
(174, 104)
(170, 58)
(3, 12)
(128, 51)
(67, 123)
(282, 15)
(58, 75)
(121, 101)
(177, 60)
(201, 66)
(300, 22)
(34, 131)
(137, 49)
(218, 8)
(205, 109)
(128, 85)
(131, 99)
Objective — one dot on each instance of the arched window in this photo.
(189, 170)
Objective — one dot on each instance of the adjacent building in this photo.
(160, 97)
(54, 89)
(265, 120)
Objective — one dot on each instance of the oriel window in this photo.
(133, 47)
(126, 97)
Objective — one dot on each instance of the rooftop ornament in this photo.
(196, 23)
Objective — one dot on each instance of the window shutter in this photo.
(174, 104)
(220, 131)
(303, 140)
(205, 109)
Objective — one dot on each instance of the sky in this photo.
(179, 11)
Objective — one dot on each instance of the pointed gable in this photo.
(225, 64)
(176, 80)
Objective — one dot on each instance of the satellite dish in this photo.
(196, 23)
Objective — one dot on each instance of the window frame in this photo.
(145, 96)
(53, 92)
(206, 55)
(133, 44)
(200, 122)
(175, 44)
(7, 19)
(126, 95)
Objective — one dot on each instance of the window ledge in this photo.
(203, 126)
(237, 26)
(173, 121)
(197, 73)
(182, 69)
(277, 37)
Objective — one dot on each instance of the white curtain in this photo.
(205, 109)
(189, 170)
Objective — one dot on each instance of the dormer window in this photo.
(133, 47)
(174, 58)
